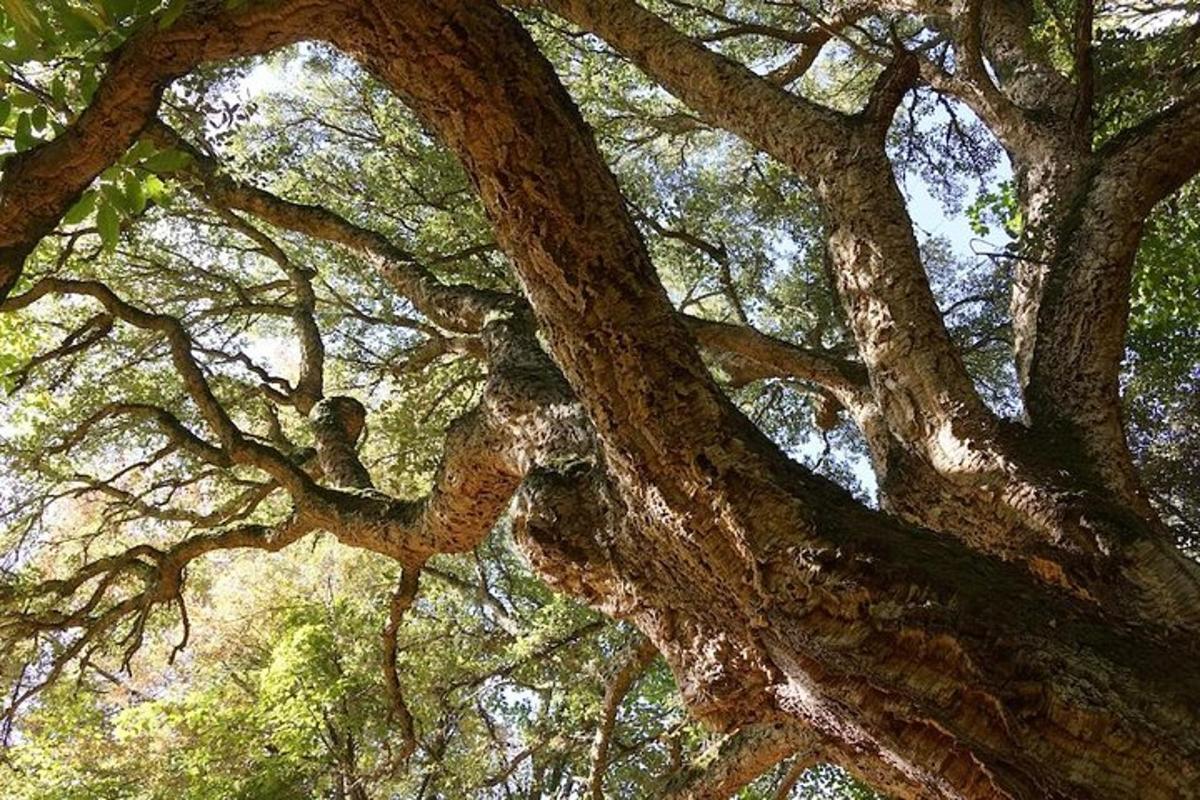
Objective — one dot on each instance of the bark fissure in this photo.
(934, 422)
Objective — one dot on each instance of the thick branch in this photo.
(1158, 156)
(751, 355)
(337, 423)
(914, 365)
(1072, 380)
(990, 31)
(460, 307)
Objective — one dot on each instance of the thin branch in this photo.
(737, 760)
(402, 600)
(629, 668)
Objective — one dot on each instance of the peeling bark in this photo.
(1075, 305)
(927, 418)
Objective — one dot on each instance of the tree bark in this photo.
(773, 595)
(768, 590)
(40, 185)
(943, 461)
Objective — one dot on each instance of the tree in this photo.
(1017, 618)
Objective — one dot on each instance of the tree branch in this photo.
(161, 573)
(237, 446)
(1153, 159)
(631, 665)
(310, 384)
(750, 355)
(738, 759)
(464, 308)
(1072, 383)
(402, 600)
(40, 185)
(457, 307)
(878, 267)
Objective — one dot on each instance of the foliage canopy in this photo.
(265, 675)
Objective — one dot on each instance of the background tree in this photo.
(316, 311)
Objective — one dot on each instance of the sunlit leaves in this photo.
(53, 54)
(123, 192)
(996, 207)
(108, 222)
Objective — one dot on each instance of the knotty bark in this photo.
(917, 374)
(1073, 312)
(1083, 212)
(943, 461)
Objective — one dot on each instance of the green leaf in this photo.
(111, 183)
(23, 137)
(119, 9)
(141, 150)
(5, 109)
(172, 13)
(167, 161)
(82, 23)
(39, 118)
(58, 89)
(24, 47)
(108, 221)
(82, 209)
(135, 194)
(88, 81)
(23, 17)
(155, 189)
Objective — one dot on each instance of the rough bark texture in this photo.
(789, 570)
(942, 460)
(1012, 632)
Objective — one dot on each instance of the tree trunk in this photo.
(1010, 632)
(770, 591)
(944, 462)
